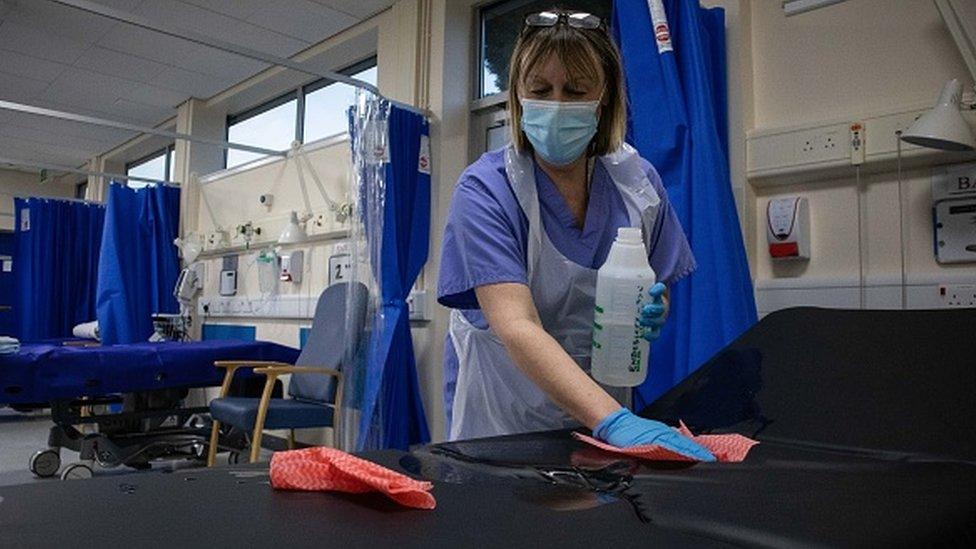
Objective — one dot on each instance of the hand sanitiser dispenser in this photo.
(620, 352)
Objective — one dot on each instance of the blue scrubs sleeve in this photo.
(671, 256)
(483, 244)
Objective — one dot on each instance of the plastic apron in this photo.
(493, 396)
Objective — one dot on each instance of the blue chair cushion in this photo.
(282, 414)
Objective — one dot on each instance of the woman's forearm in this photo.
(541, 358)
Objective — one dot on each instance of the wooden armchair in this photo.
(316, 383)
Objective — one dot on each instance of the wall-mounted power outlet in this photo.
(818, 145)
(958, 295)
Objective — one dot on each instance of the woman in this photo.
(529, 226)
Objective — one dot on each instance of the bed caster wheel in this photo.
(76, 471)
(45, 463)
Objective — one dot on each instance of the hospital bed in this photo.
(133, 394)
(865, 422)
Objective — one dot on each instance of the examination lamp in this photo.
(293, 233)
(943, 127)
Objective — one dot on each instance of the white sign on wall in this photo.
(339, 266)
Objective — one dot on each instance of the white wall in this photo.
(851, 58)
(844, 62)
(14, 183)
(234, 199)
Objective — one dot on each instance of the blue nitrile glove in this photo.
(653, 314)
(624, 429)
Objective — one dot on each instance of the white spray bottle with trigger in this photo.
(620, 352)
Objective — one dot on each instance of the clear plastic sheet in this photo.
(368, 134)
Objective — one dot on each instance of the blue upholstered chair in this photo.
(316, 382)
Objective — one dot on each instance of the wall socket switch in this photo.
(857, 144)
(958, 295)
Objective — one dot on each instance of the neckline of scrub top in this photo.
(582, 243)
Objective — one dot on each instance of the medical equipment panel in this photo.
(788, 228)
(954, 214)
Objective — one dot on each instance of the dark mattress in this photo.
(866, 423)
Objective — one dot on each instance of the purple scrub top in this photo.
(486, 238)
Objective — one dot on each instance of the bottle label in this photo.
(636, 358)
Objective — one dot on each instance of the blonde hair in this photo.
(582, 52)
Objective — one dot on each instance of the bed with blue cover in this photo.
(134, 394)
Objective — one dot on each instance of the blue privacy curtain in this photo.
(139, 263)
(56, 265)
(676, 86)
(391, 386)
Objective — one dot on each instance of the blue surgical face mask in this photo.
(559, 131)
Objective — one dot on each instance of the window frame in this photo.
(165, 152)
(297, 94)
(480, 100)
(81, 189)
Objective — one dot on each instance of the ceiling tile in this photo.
(357, 8)
(36, 42)
(193, 84)
(223, 27)
(81, 88)
(155, 96)
(147, 114)
(122, 5)
(23, 149)
(5, 7)
(239, 9)
(68, 128)
(180, 53)
(302, 19)
(62, 21)
(123, 65)
(35, 68)
(20, 89)
(37, 135)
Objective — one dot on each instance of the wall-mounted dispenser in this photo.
(228, 276)
(291, 266)
(788, 228)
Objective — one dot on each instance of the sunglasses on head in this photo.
(577, 20)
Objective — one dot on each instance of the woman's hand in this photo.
(653, 315)
(624, 429)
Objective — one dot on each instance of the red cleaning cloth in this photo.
(726, 448)
(323, 468)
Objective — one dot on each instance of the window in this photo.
(157, 166)
(271, 126)
(327, 105)
(500, 27)
(313, 112)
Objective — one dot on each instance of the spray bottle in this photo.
(620, 352)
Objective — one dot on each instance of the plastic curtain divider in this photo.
(367, 132)
(388, 246)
